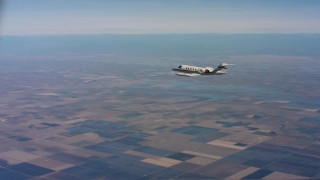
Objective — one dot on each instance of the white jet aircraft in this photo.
(186, 70)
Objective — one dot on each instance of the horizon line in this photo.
(214, 33)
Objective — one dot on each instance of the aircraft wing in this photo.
(187, 74)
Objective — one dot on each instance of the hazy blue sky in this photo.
(24, 17)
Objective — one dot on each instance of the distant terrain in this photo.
(108, 106)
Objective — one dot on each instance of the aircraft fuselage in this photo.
(186, 70)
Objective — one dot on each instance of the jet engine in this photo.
(209, 69)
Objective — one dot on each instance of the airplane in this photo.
(190, 71)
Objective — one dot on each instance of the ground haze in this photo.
(109, 107)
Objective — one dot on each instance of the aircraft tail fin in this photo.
(224, 66)
(221, 69)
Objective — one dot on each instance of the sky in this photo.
(42, 17)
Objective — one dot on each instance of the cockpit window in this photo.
(180, 66)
